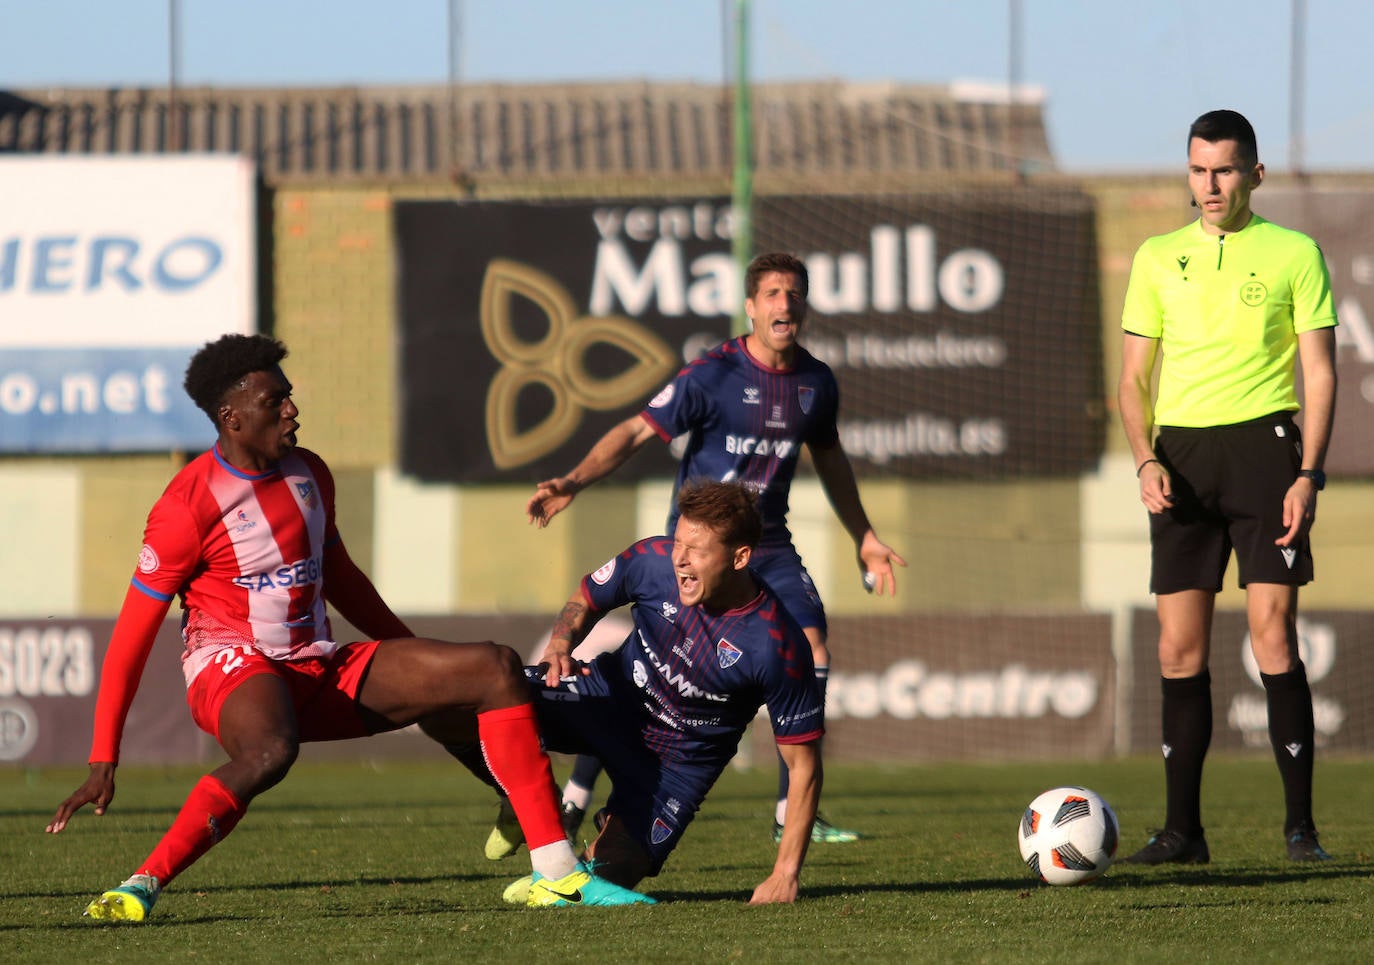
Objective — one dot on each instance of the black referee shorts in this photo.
(1228, 484)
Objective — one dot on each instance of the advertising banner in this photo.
(957, 687)
(49, 673)
(1342, 223)
(528, 330)
(1334, 646)
(912, 688)
(931, 687)
(963, 329)
(112, 272)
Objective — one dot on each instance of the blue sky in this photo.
(1122, 79)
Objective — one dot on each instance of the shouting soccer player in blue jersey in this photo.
(748, 407)
(665, 712)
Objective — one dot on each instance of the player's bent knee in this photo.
(506, 674)
(495, 659)
(484, 676)
(267, 761)
(492, 663)
(512, 665)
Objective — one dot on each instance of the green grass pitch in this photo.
(383, 862)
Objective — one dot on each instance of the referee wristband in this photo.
(1140, 468)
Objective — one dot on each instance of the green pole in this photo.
(742, 200)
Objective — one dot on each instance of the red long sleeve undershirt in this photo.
(135, 630)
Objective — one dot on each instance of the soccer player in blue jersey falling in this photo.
(748, 407)
(665, 712)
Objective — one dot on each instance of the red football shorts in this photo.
(324, 690)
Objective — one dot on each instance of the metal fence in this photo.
(540, 132)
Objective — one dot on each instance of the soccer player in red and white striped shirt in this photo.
(245, 536)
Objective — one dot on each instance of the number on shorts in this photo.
(231, 658)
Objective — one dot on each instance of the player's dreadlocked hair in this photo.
(727, 507)
(774, 261)
(219, 365)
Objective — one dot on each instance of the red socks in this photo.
(510, 744)
(209, 814)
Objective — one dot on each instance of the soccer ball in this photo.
(1068, 836)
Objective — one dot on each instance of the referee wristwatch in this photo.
(1317, 476)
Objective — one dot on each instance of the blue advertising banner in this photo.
(107, 400)
(113, 271)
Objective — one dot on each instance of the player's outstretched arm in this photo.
(803, 798)
(609, 453)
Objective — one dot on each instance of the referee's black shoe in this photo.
(1303, 846)
(1173, 847)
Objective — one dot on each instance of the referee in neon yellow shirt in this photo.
(1225, 306)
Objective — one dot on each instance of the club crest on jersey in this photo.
(727, 653)
(660, 832)
(147, 560)
(806, 397)
(603, 572)
(306, 491)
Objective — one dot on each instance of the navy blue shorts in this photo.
(655, 800)
(1228, 485)
(782, 569)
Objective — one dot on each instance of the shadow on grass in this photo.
(330, 884)
(1145, 885)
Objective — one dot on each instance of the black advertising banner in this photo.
(528, 330)
(924, 687)
(914, 687)
(49, 674)
(1335, 649)
(964, 329)
(1342, 223)
(971, 687)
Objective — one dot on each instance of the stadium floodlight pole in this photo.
(1296, 93)
(176, 140)
(742, 200)
(455, 38)
(1019, 163)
